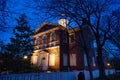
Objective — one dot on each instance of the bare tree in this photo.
(56, 10)
(94, 12)
(115, 33)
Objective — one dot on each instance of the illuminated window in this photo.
(52, 59)
(65, 60)
(35, 59)
(72, 59)
(52, 37)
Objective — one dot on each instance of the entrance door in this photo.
(43, 60)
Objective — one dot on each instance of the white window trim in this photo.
(51, 36)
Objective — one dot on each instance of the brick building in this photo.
(60, 49)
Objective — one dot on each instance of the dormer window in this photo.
(52, 37)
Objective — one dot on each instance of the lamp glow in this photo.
(25, 57)
(108, 64)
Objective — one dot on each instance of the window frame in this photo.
(52, 37)
(44, 40)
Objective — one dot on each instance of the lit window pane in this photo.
(35, 59)
(52, 60)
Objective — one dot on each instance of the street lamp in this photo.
(25, 63)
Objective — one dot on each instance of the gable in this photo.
(44, 27)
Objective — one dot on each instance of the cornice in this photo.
(45, 32)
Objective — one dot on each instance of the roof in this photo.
(44, 27)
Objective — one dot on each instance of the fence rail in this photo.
(53, 75)
(40, 76)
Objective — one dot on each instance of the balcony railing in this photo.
(42, 46)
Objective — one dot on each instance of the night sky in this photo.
(35, 18)
(18, 7)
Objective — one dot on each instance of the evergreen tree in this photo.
(21, 42)
(20, 45)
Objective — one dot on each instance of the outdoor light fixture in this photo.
(108, 64)
(25, 57)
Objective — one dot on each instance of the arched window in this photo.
(35, 41)
(52, 37)
(38, 40)
(44, 41)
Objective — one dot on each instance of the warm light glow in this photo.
(35, 59)
(52, 60)
(25, 57)
(63, 22)
(48, 71)
(108, 64)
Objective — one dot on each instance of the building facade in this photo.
(60, 49)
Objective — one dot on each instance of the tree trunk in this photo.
(85, 47)
(101, 66)
(89, 64)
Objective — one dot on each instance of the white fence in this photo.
(52, 75)
(96, 73)
(40, 76)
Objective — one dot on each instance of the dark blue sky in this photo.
(18, 7)
(35, 18)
